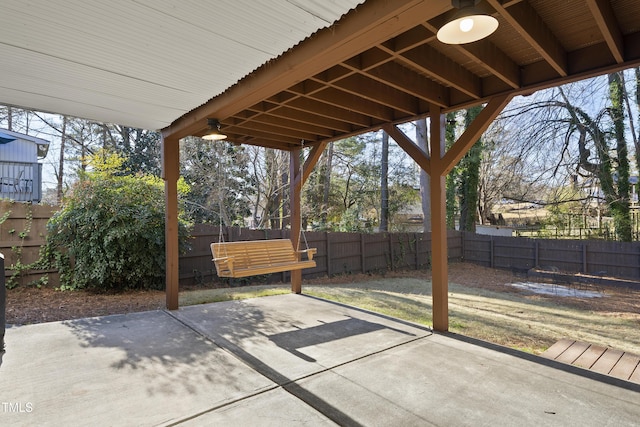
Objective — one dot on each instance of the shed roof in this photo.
(4, 133)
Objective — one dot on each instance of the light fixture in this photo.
(467, 25)
(214, 133)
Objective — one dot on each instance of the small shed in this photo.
(20, 171)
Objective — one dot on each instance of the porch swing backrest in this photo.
(256, 257)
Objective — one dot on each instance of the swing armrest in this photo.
(228, 260)
(310, 252)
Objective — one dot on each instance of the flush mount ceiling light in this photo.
(468, 24)
(214, 134)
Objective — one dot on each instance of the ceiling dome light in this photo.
(214, 134)
(467, 25)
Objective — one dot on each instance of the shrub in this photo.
(109, 234)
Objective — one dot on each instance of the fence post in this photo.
(491, 261)
(416, 258)
(393, 268)
(329, 260)
(536, 254)
(362, 254)
(3, 306)
(584, 258)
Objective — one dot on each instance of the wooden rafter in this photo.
(473, 132)
(526, 21)
(606, 20)
(415, 152)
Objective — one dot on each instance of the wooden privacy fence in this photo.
(615, 259)
(352, 253)
(338, 253)
(24, 230)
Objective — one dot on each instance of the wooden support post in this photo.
(294, 208)
(438, 164)
(439, 250)
(170, 174)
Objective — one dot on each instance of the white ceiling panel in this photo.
(143, 63)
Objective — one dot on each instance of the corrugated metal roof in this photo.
(143, 63)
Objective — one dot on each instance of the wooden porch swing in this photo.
(255, 257)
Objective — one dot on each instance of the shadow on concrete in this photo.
(172, 357)
(291, 341)
(254, 330)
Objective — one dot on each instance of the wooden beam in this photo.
(526, 21)
(414, 37)
(289, 123)
(371, 89)
(439, 246)
(433, 63)
(402, 78)
(170, 173)
(277, 132)
(606, 20)
(312, 160)
(412, 149)
(369, 24)
(356, 103)
(487, 55)
(473, 132)
(323, 109)
(309, 118)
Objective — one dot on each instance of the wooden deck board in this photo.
(558, 348)
(635, 376)
(607, 361)
(625, 366)
(590, 356)
(596, 358)
(573, 352)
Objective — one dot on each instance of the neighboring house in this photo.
(20, 172)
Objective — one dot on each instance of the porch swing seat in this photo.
(256, 257)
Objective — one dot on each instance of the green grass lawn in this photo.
(519, 320)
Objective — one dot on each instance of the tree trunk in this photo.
(10, 118)
(620, 206)
(422, 138)
(327, 184)
(470, 178)
(63, 137)
(451, 190)
(384, 184)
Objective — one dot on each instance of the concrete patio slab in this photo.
(292, 336)
(136, 369)
(287, 360)
(442, 382)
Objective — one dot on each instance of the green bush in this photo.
(109, 234)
